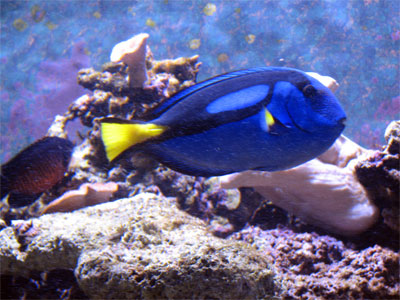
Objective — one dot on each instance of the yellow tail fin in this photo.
(118, 137)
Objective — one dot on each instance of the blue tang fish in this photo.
(266, 119)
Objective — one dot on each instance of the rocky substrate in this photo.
(313, 266)
(144, 247)
(137, 248)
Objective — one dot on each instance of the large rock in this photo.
(140, 247)
(380, 175)
(313, 266)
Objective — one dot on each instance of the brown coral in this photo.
(182, 68)
(380, 174)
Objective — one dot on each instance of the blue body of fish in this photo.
(266, 119)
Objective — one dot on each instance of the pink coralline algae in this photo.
(311, 266)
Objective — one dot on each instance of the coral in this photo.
(311, 266)
(166, 78)
(182, 68)
(112, 95)
(140, 247)
(392, 137)
(25, 232)
(57, 128)
(380, 174)
(323, 191)
(186, 188)
(344, 152)
(133, 53)
(328, 81)
(88, 194)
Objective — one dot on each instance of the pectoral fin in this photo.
(270, 123)
(269, 118)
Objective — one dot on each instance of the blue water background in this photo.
(354, 41)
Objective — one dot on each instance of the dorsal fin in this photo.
(194, 88)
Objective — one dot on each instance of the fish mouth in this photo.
(341, 124)
(342, 121)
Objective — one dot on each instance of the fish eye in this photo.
(309, 91)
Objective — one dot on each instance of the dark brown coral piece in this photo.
(380, 174)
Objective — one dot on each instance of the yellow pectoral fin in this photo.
(119, 137)
(269, 119)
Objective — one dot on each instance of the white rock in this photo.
(133, 53)
(324, 191)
